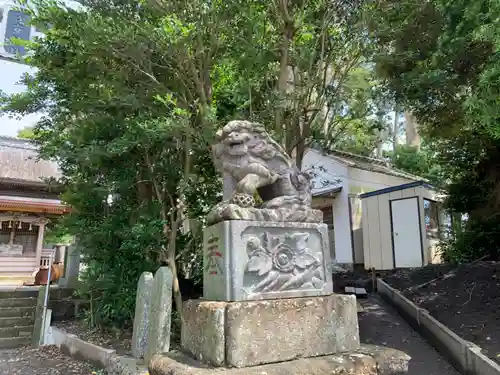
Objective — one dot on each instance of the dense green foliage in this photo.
(133, 92)
(440, 59)
(418, 162)
(26, 133)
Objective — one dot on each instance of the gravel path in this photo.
(44, 361)
(380, 324)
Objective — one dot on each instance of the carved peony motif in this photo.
(282, 264)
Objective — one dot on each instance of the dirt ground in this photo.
(465, 298)
(380, 324)
(42, 361)
(121, 340)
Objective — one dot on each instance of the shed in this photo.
(402, 226)
(338, 179)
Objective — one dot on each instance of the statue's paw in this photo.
(243, 200)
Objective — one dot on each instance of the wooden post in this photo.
(12, 232)
(39, 243)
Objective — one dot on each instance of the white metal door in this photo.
(406, 233)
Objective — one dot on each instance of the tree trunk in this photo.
(395, 130)
(175, 275)
(287, 35)
(411, 127)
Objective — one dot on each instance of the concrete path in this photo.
(46, 361)
(380, 324)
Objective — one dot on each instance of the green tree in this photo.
(129, 112)
(418, 162)
(26, 133)
(440, 60)
(301, 68)
(133, 92)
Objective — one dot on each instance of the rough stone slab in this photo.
(71, 266)
(354, 363)
(141, 317)
(270, 331)
(250, 333)
(160, 314)
(255, 260)
(37, 337)
(226, 212)
(389, 361)
(203, 334)
(118, 365)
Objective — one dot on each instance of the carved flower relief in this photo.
(284, 265)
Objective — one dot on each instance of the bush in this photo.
(479, 238)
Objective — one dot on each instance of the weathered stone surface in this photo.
(250, 333)
(251, 162)
(247, 260)
(349, 363)
(38, 329)
(228, 211)
(141, 317)
(160, 313)
(280, 330)
(71, 266)
(125, 366)
(203, 333)
(389, 361)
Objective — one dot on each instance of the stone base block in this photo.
(250, 333)
(368, 360)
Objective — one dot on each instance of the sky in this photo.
(10, 73)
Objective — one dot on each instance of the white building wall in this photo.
(341, 224)
(354, 181)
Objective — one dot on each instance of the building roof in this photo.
(19, 162)
(368, 164)
(331, 192)
(33, 205)
(397, 188)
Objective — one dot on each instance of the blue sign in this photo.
(17, 27)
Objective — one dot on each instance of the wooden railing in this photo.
(45, 258)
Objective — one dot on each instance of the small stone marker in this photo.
(160, 314)
(141, 317)
(71, 267)
(36, 339)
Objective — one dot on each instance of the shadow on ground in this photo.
(380, 324)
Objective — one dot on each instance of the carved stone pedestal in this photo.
(251, 260)
(249, 333)
(268, 306)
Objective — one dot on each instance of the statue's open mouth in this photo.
(236, 143)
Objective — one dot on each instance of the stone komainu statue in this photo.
(252, 162)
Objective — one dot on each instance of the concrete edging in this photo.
(464, 355)
(98, 356)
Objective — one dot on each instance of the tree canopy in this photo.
(133, 92)
(440, 60)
